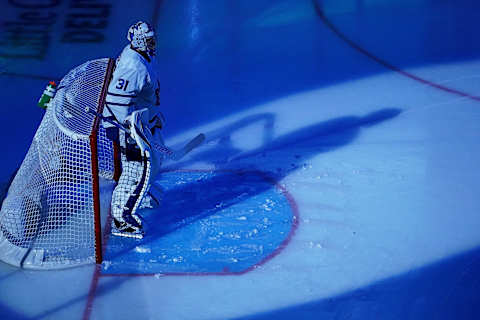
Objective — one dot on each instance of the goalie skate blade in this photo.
(128, 234)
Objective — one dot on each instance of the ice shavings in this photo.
(143, 249)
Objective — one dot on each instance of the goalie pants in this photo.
(133, 184)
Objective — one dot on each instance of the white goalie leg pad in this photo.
(141, 189)
(140, 131)
(132, 186)
(126, 190)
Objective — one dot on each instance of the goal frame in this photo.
(18, 243)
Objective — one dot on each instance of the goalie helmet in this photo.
(142, 37)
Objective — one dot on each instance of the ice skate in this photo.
(123, 229)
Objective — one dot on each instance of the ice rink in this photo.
(339, 175)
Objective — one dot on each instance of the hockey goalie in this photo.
(132, 119)
(133, 101)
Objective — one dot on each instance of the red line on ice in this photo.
(92, 293)
(384, 63)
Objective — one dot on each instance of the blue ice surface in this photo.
(208, 222)
(445, 290)
(232, 66)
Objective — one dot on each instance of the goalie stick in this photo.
(170, 153)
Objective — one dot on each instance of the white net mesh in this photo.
(47, 217)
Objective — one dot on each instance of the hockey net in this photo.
(50, 217)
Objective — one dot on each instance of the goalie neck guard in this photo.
(142, 37)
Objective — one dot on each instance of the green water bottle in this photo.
(47, 95)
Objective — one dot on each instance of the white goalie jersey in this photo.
(134, 86)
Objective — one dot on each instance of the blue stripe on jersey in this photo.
(122, 95)
(119, 104)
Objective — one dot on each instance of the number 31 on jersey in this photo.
(122, 84)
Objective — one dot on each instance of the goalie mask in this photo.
(142, 37)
